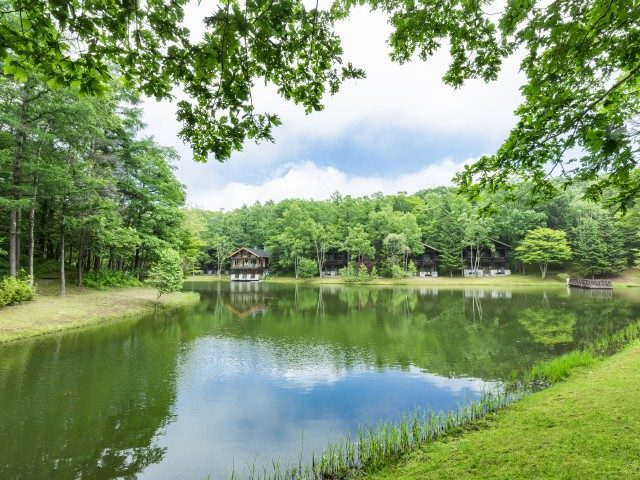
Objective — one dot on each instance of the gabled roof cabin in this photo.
(249, 264)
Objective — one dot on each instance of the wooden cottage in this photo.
(492, 262)
(427, 262)
(249, 264)
(334, 261)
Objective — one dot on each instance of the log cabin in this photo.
(427, 262)
(249, 264)
(334, 261)
(492, 261)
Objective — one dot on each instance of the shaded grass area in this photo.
(585, 427)
(81, 307)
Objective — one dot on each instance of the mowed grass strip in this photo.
(81, 307)
(584, 428)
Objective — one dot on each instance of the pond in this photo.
(255, 371)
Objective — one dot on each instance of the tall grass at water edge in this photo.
(374, 446)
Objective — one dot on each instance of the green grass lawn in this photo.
(509, 281)
(629, 278)
(584, 428)
(81, 307)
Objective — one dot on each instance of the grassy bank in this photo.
(584, 428)
(629, 278)
(81, 307)
(510, 281)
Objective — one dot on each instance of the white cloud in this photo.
(307, 180)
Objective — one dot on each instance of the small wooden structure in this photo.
(590, 283)
(427, 262)
(249, 264)
(334, 261)
(493, 262)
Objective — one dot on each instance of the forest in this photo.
(86, 196)
(388, 228)
(82, 189)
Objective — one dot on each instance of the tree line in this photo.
(388, 229)
(81, 188)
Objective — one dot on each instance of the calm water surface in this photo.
(242, 375)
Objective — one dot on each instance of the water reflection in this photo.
(242, 374)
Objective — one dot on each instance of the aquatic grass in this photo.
(610, 344)
(559, 368)
(376, 445)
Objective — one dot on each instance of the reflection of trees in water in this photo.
(480, 333)
(547, 326)
(87, 405)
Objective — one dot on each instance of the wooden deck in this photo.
(590, 283)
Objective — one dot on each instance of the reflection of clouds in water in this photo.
(453, 384)
(241, 401)
(296, 366)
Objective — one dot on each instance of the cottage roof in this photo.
(501, 243)
(254, 251)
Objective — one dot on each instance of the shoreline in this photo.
(567, 430)
(81, 308)
(517, 280)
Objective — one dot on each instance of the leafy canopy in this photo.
(581, 59)
(166, 274)
(544, 246)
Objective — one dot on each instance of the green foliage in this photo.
(598, 247)
(412, 270)
(353, 273)
(80, 163)
(307, 268)
(579, 61)
(166, 274)
(106, 278)
(557, 369)
(562, 277)
(291, 47)
(544, 246)
(358, 243)
(15, 290)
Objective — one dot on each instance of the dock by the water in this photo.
(590, 283)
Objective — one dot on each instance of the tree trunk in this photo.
(80, 261)
(13, 266)
(32, 243)
(63, 282)
(18, 239)
(16, 180)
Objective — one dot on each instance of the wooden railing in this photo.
(590, 283)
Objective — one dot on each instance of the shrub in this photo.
(14, 290)
(562, 277)
(359, 274)
(307, 268)
(109, 278)
(166, 274)
(397, 272)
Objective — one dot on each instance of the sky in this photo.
(400, 129)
